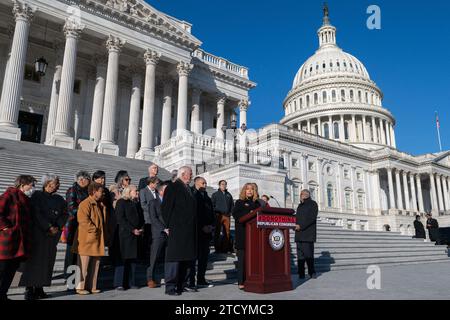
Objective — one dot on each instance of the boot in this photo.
(301, 269)
(40, 294)
(30, 293)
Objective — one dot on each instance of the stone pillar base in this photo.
(108, 148)
(10, 133)
(63, 142)
(148, 155)
(87, 145)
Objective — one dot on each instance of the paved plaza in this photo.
(407, 282)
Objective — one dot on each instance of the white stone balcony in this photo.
(221, 63)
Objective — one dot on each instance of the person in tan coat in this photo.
(90, 239)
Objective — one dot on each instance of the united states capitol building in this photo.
(124, 79)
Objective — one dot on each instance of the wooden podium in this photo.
(267, 250)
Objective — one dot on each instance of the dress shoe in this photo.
(30, 294)
(313, 276)
(96, 291)
(152, 284)
(173, 293)
(190, 289)
(204, 284)
(120, 288)
(40, 294)
(83, 292)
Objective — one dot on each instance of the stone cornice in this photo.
(139, 16)
(224, 76)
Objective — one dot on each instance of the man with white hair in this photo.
(179, 212)
(152, 172)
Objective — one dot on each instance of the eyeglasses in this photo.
(127, 179)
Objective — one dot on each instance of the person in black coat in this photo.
(432, 227)
(205, 228)
(159, 234)
(248, 201)
(131, 228)
(179, 211)
(420, 230)
(306, 234)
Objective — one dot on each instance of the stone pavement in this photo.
(411, 282)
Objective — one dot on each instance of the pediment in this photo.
(146, 17)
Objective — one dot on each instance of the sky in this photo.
(408, 58)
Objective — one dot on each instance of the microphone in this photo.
(272, 197)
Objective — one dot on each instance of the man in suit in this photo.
(432, 227)
(152, 172)
(159, 235)
(179, 211)
(306, 234)
(146, 196)
(205, 227)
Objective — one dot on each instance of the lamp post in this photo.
(40, 66)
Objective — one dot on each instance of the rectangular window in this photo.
(31, 74)
(294, 163)
(346, 174)
(77, 87)
(311, 166)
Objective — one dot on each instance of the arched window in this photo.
(333, 95)
(343, 95)
(361, 199)
(324, 97)
(301, 103)
(348, 199)
(326, 131)
(336, 130)
(316, 99)
(367, 97)
(359, 96)
(313, 189)
(330, 196)
(307, 101)
(352, 98)
(295, 105)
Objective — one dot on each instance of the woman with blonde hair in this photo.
(248, 201)
(130, 219)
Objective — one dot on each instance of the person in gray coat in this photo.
(306, 234)
(49, 215)
(146, 196)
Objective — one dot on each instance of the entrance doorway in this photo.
(31, 126)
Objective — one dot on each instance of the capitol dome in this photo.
(333, 96)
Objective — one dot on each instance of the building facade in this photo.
(125, 79)
(122, 77)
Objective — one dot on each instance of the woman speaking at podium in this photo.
(248, 201)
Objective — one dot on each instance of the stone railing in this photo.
(220, 63)
(195, 140)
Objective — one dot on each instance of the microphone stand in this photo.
(272, 197)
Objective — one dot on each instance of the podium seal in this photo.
(276, 239)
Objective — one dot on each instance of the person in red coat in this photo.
(15, 233)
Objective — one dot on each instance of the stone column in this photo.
(364, 129)
(308, 125)
(434, 204)
(331, 128)
(167, 110)
(53, 108)
(196, 123)
(413, 193)
(446, 195)
(374, 131)
(353, 137)
(243, 108)
(184, 68)
(107, 142)
(99, 99)
(383, 132)
(342, 129)
(135, 110)
(319, 126)
(391, 129)
(399, 190)
(221, 99)
(392, 203)
(62, 135)
(439, 192)
(419, 193)
(13, 80)
(377, 200)
(406, 190)
(151, 59)
(388, 134)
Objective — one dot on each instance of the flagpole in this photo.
(438, 127)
